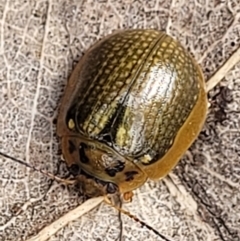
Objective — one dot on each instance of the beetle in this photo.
(133, 105)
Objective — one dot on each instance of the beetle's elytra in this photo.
(133, 105)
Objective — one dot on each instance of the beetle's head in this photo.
(97, 161)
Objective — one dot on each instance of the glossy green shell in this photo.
(133, 105)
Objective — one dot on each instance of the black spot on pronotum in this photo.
(130, 175)
(71, 147)
(82, 155)
(120, 166)
(111, 171)
(74, 169)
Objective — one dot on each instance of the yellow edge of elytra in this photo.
(184, 139)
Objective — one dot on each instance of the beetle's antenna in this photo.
(58, 179)
(136, 219)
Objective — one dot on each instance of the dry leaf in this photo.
(40, 41)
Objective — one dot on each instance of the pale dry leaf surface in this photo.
(40, 42)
